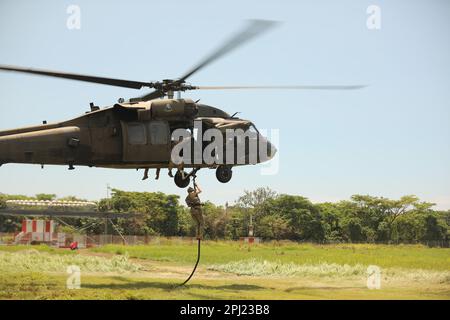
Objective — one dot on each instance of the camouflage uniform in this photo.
(193, 202)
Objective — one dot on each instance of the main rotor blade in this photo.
(252, 30)
(80, 77)
(326, 87)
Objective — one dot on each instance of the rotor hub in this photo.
(168, 85)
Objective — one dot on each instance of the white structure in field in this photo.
(51, 203)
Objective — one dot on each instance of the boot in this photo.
(145, 174)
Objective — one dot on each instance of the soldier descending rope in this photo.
(193, 202)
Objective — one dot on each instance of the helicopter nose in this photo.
(271, 150)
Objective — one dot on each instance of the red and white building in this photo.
(37, 230)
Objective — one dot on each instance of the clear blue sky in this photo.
(389, 139)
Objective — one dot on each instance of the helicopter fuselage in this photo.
(123, 136)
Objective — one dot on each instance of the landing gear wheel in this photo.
(224, 174)
(180, 182)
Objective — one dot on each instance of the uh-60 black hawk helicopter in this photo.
(137, 133)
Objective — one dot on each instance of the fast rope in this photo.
(195, 267)
(198, 250)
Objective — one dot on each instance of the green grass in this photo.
(40, 248)
(227, 271)
(35, 261)
(45, 286)
(386, 256)
(259, 268)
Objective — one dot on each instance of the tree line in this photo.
(274, 216)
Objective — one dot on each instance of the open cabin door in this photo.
(146, 141)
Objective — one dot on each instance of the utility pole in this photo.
(108, 193)
(250, 226)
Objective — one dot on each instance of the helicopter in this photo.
(138, 133)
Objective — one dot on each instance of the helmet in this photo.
(190, 189)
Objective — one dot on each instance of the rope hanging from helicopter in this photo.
(196, 264)
(199, 240)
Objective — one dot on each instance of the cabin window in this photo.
(136, 133)
(159, 132)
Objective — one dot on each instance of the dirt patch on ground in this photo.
(160, 269)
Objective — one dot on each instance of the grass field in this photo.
(227, 270)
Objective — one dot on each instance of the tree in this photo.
(71, 198)
(433, 230)
(2, 201)
(304, 218)
(379, 214)
(273, 227)
(254, 199)
(160, 212)
(135, 226)
(353, 230)
(293, 217)
(254, 206)
(237, 222)
(410, 227)
(215, 220)
(185, 222)
(45, 197)
(331, 221)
